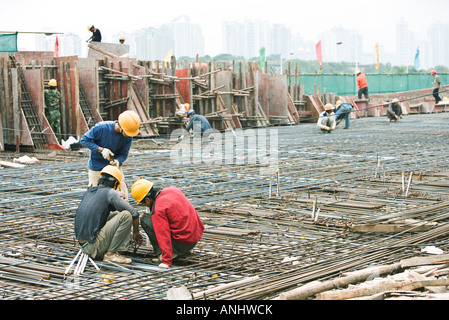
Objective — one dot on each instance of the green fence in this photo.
(345, 84)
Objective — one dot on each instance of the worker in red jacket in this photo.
(362, 83)
(171, 223)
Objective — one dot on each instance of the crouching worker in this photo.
(326, 122)
(171, 223)
(394, 111)
(99, 237)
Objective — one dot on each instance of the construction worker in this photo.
(196, 121)
(121, 39)
(96, 34)
(326, 121)
(181, 111)
(343, 112)
(109, 143)
(171, 222)
(436, 86)
(394, 111)
(362, 83)
(52, 97)
(100, 236)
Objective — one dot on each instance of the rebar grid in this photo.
(353, 177)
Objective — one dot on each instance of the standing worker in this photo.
(343, 111)
(100, 237)
(326, 122)
(52, 97)
(394, 111)
(96, 34)
(362, 83)
(197, 119)
(172, 223)
(109, 143)
(436, 86)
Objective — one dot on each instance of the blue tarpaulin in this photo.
(8, 42)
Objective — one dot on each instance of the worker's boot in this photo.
(116, 258)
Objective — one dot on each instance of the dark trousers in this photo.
(364, 92)
(436, 95)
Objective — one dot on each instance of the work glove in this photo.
(107, 154)
(163, 265)
(114, 163)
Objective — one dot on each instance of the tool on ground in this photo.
(81, 265)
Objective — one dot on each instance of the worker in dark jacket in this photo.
(100, 237)
(394, 111)
(96, 34)
(197, 118)
(172, 223)
(197, 124)
(109, 143)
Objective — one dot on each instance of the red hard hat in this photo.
(433, 72)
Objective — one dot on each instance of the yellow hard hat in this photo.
(140, 189)
(339, 102)
(52, 83)
(130, 123)
(113, 171)
(329, 106)
(187, 106)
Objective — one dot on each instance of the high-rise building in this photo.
(188, 38)
(438, 36)
(342, 45)
(70, 45)
(246, 38)
(281, 40)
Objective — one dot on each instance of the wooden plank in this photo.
(9, 164)
(385, 227)
(421, 261)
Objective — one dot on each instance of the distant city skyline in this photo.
(186, 38)
(375, 22)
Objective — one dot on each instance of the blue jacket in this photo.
(345, 105)
(103, 135)
(205, 125)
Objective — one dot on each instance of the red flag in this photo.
(57, 47)
(318, 53)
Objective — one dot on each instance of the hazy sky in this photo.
(375, 19)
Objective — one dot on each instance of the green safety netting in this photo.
(345, 84)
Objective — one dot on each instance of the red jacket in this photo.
(175, 217)
(361, 81)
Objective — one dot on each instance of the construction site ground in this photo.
(374, 195)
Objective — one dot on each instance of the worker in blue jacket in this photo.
(195, 121)
(109, 143)
(343, 112)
